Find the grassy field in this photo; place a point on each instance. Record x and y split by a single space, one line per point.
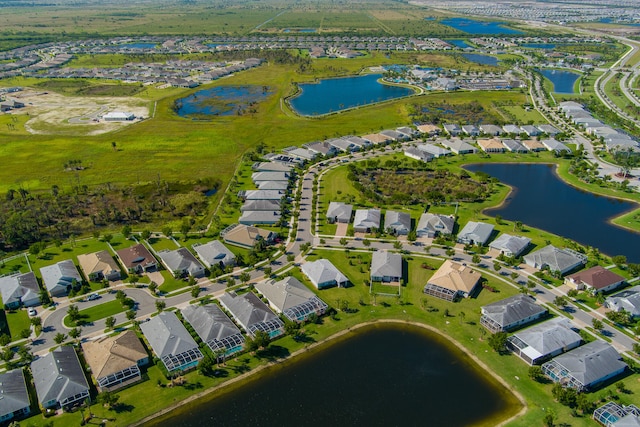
97 312
17 321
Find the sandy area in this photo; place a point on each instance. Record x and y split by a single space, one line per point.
54 114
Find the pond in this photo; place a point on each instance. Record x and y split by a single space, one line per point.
462 44
299 30
539 45
380 375
472 26
541 199
338 94
563 81
481 59
139 45
220 101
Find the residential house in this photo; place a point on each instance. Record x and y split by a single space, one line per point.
543 341
512 129
514 146
261 194
303 154
628 300
417 154
452 280
432 225
470 130
595 279
397 223
407 133
258 177
534 145
98 266
118 116
214 253
557 146
171 342
376 139
246 236
361 143
511 313
115 361
555 259
366 220
292 298
344 145
491 130
339 212
214 328
271 167
137 259
180 262
458 146
492 145
386 267
261 205
14 401
252 314
429 129
530 130
323 274
549 130
434 150
260 217
612 414
393 135
322 148
19 289
59 278
585 367
59 379
475 233
511 246
452 129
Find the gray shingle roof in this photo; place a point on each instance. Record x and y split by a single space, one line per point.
628 300
58 375
261 205
340 211
510 244
561 260
20 288
548 337
386 264
247 309
367 218
400 222
210 322
181 260
432 223
214 252
167 335
476 232
512 310
285 293
13 390
323 271
58 277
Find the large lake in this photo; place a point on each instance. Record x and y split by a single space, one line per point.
563 81
541 199
472 26
481 59
383 375
331 95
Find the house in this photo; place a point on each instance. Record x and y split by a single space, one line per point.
260 217
361 143
533 145
429 129
271 167
557 146
214 253
512 129
470 130
14 402
115 361
118 116
323 274
59 278
214 328
181 262
258 177
628 300
530 130
417 154
98 266
19 289
585 367
595 279
555 259
252 314
137 259
549 130
612 414
386 267
343 144
452 129
303 154
458 146
511 246
452 280
339 212
475 233
492 145
171 342
291 298
366 220
246 236
543 341
261 205
262 194
397 223
434 150
322 148
59 379
492 130
393 135
376 139
432 225
511 313
407 132
514 146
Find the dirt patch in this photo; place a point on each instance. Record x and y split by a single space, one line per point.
54 114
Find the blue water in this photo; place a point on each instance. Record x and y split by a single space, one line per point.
139 45
338 94
471 26
562 80
459 43
542 200
539 45
228 100
481 59
299 30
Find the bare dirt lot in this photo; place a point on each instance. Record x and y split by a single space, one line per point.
55 114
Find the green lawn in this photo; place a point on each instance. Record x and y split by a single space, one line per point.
170 283
18 264
160 244
97 312
17 321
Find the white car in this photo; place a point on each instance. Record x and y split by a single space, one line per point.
92 297
31 311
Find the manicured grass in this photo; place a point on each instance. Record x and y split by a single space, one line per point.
17 264
97 312
170 283
521 115
17 321
68 250
161 243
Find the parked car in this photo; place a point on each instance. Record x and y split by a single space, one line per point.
93 297
32 311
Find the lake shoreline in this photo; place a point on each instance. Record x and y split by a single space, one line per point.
244 378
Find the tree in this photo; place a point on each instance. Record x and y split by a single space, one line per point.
231 282
262 339
167 231
110 322
535 373
73 312
514 275
475 259
244 277
267 272
619 260
126 231
146 234
344 241
397 245
59 338
597 324
450 252
4 339
108 399
160 305
498 342
131 314
195 292
25 333
497 266
498 219
366 243
75 333
153 287
549 419
560 301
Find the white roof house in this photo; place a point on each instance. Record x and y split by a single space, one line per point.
399 223
562 260
20 289
543 341
557 146
386 267
181 262
475 233
323 274
458 146
434 150
59 378
366 220
628 300
511 246
431 225
292 298
339 212
60 277
252 314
